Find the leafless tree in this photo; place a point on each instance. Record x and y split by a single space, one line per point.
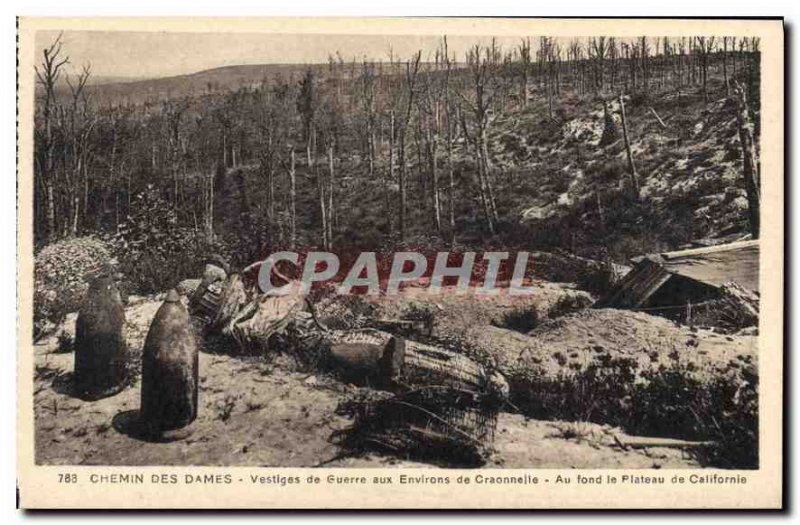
48 74
483 93
412 72
704 46
750 165
525 66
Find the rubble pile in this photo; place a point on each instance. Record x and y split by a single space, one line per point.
424 400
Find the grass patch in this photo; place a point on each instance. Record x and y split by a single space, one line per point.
675 400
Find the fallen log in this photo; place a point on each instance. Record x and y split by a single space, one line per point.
661 122
637 442
364 357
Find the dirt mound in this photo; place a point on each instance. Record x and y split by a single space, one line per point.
651 340
455 314
578 340
639 372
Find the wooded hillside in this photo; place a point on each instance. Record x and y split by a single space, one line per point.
603 147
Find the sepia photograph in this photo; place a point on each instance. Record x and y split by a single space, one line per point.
374 249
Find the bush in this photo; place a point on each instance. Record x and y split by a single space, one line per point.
676 400
62 272
569 303
155 253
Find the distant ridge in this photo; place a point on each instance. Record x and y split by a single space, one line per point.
116 90
138 91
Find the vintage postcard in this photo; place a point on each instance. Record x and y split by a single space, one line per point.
400 263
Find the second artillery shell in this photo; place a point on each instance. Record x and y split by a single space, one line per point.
101 358
169 369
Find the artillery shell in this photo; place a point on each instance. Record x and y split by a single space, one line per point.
101 358
170 371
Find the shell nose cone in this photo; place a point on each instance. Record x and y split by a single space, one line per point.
173 296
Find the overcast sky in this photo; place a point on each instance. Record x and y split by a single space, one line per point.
147 55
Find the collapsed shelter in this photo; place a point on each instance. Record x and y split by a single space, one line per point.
673 280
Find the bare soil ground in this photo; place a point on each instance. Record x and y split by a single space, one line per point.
252 413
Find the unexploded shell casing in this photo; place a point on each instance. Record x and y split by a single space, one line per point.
170 368
101 357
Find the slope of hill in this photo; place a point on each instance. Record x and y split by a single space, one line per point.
689 170
555 185
557 181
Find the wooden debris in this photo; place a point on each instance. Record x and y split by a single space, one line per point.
661 122
626 442
629 154
741 303
255 322
405 326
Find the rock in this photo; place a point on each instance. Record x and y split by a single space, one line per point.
213 273
187 286
750 330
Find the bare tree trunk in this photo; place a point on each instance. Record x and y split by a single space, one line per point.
600 214
322 208
292 201
331 197
371 147
391 165
434 177
271 195
411 78
629 154
76 203
224 149
85 209
749 162
725 66
488 176
402 185
704 74
48 77
51 207
208 207
450 178
483 184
